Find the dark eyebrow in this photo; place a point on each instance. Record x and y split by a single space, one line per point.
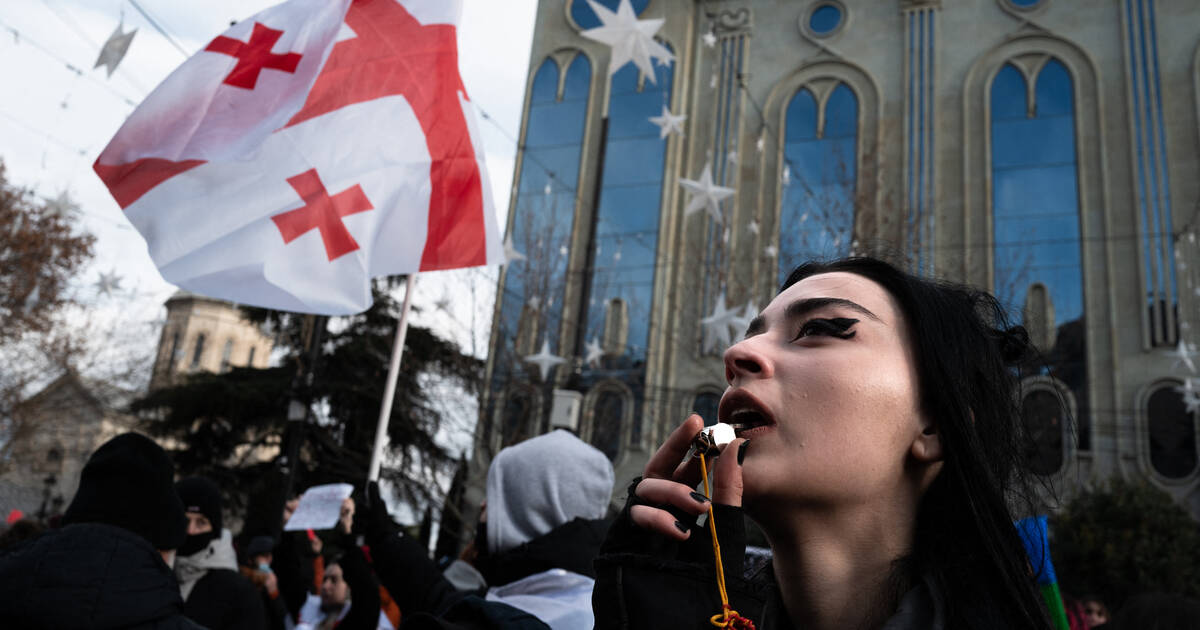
800 308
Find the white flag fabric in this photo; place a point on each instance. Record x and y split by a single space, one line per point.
306 150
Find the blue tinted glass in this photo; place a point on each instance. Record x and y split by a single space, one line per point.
1009 95
1025 3
1035 206
626 236
1054 96
585 17
817 206
825 19
541 223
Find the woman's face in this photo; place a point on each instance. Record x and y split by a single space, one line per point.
829 366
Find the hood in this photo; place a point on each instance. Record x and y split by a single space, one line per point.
542 483
87 576
219 554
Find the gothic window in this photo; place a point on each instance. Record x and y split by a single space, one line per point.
544 207
226 355
608 416
818 176
1043 413
584 17
198 354
1172 433
627 215
1037 251
175 353
250 358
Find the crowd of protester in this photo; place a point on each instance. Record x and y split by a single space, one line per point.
136 548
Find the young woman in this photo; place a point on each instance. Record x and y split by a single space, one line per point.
880 449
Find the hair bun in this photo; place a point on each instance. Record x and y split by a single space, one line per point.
1013 344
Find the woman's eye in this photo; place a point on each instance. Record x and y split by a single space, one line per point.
836 327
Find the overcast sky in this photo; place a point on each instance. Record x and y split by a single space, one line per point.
54 121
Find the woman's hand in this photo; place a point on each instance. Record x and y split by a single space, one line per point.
668 483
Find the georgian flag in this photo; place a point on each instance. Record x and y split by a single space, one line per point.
306 150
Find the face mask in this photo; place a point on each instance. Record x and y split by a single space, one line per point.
196 542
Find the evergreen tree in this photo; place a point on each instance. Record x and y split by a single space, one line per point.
222 423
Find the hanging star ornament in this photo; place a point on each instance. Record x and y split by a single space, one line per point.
544 360
108 283
593 353
705 194
1191 395
114 49
668 122
62 207
709 39
732 158
771 251
716 326
753 227
1183 355
511 254
739 323
631 39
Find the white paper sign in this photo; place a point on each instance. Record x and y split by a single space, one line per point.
319 508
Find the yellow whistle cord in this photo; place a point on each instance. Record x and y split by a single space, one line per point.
728 617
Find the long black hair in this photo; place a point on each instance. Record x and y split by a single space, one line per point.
966 545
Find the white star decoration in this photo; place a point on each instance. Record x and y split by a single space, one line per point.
668 122
1183 354
705 194
709 39
593 353
716 326
786 176
108 283
62 206
731 157
534 302
631 39
753 227
544 360
771 251
114 49
1191 396
511 254
739 324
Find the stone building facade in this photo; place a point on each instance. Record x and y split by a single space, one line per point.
206 334
1045 149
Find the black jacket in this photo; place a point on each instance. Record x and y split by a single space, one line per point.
644 580
224 600
572 546
427 600
89 577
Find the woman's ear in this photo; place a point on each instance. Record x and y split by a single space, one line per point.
927 447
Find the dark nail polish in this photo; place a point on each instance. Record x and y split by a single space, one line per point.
681 527
700 498
742 452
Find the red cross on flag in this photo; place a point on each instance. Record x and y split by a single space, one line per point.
306 150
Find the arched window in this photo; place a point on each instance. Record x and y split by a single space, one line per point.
544 207
175 353
585 17
818 177
1035 215
250 358
1172 433
1044 414
627 214
199 352
226 355
516 422
607 418
705 404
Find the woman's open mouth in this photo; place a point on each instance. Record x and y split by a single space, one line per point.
745 413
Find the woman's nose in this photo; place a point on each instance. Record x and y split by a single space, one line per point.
742 359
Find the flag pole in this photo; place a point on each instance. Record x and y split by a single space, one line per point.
389 391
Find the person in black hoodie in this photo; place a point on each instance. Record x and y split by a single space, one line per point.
107 567
214 593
